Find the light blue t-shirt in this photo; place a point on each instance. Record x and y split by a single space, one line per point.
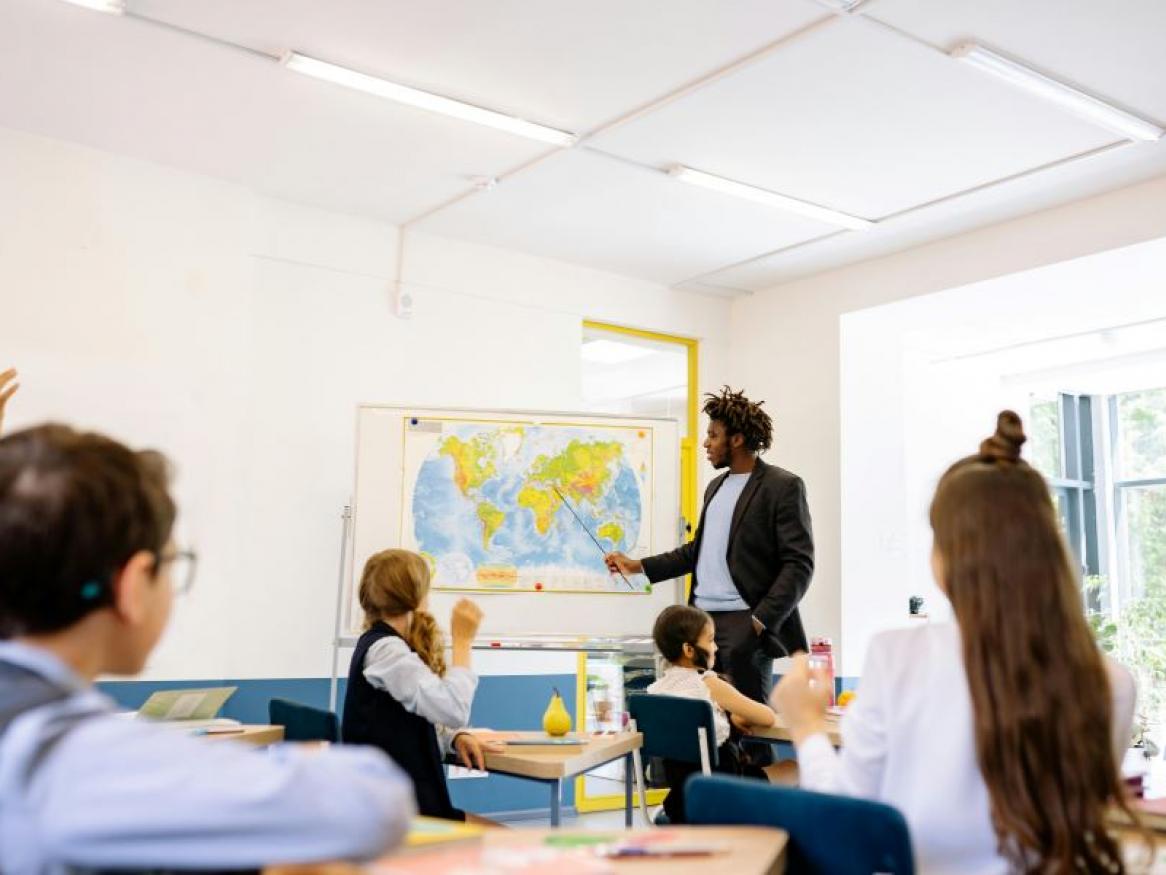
117 793
714 585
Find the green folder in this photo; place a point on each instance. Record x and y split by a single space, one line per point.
203 704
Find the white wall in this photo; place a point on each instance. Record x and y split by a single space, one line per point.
785 345
237 334
923 379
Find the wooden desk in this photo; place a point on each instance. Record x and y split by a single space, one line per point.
257 735
779 731
747 850
555 766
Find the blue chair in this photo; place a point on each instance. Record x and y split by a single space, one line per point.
303 722
674 728
828 835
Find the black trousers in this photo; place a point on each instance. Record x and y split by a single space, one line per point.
741 659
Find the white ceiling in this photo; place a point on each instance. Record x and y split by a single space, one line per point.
864 113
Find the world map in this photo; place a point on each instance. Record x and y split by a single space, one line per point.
494 505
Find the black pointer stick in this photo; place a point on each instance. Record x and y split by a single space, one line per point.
594 539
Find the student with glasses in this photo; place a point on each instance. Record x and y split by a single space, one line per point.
88 572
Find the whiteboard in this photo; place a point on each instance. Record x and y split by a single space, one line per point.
379 510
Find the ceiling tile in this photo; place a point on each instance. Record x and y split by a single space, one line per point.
124 86
562 63
1122 166
598 211
860 119
1115 50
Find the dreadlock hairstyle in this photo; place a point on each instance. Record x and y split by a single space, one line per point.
741 416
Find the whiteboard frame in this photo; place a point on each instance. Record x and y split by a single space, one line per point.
637 611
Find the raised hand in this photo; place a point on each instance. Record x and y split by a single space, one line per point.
801 698
464 621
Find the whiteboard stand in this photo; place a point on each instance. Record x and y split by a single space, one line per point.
345 525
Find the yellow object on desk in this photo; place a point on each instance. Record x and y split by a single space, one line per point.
429 832
556 720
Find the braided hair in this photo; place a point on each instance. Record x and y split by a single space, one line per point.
741 416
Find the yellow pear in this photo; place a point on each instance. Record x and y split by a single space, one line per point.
556 720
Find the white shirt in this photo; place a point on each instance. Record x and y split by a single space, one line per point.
124 793
689 683
908 740
715 590
391 665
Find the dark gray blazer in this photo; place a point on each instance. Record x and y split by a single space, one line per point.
771 553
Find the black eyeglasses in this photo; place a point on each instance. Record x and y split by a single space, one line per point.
184 563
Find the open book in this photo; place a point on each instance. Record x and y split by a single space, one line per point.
191 709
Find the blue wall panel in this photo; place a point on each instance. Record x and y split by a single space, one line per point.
502 702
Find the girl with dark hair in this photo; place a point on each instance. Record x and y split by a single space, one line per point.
686 639
998 736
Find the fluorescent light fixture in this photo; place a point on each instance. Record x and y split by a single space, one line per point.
1085 105
609 352
113 7
424 100
769 198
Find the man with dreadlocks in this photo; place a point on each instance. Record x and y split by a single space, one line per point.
753 553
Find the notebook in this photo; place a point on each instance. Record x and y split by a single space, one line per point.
531 739
203 704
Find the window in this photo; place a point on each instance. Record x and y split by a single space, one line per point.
1105 461
1140 480
1062 449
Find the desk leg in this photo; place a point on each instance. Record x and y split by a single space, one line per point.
556 802
628 771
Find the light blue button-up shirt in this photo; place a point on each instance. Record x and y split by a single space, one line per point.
715 590
125 793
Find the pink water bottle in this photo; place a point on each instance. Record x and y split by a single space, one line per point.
822 657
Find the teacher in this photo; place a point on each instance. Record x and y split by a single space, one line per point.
753 554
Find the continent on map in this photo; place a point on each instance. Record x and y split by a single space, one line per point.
542 503
611 531
485 502
492 519
473 461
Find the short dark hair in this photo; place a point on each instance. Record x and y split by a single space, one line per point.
74 508
741 416
676 626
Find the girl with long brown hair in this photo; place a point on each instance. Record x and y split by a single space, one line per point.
998 736
402 697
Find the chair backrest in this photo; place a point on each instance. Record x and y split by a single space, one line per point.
827 834
303 722
669 725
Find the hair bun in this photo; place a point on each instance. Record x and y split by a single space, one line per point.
1005 444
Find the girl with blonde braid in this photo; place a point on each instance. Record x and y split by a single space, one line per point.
401 695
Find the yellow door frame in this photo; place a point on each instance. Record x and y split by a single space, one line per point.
688 508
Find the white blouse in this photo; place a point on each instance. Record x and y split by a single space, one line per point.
908 740
689 683
391 665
